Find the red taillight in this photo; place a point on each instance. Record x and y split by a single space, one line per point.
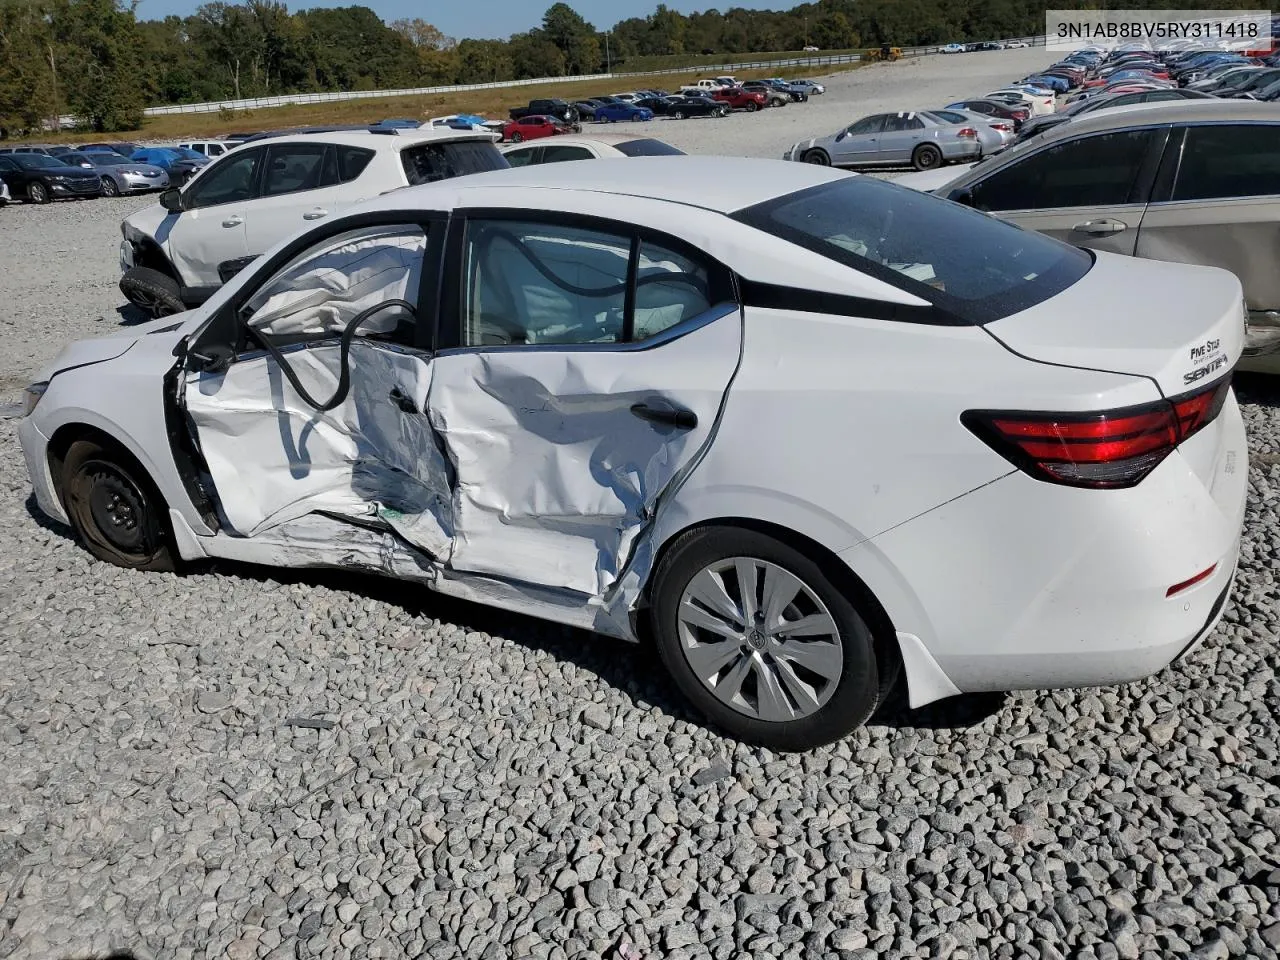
1200 577
966 132
1105 450
1001 126
1021 114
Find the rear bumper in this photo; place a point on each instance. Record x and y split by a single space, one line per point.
961 150
1027 585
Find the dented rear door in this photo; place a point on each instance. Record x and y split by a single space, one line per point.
585 381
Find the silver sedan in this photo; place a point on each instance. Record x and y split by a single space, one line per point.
920 140
120 175
993 133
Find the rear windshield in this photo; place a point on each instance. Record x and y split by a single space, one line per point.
429 162
648 148
968 264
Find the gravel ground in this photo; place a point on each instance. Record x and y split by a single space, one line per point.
236 763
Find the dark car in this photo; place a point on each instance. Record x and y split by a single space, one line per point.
678 108
172 161
995 109
549 108
122 148
39 179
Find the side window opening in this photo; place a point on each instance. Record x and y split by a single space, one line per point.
532 283
1093 171
233 181
317 295
352 162
294 167
1229 161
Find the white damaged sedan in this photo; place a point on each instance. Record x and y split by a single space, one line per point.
809 430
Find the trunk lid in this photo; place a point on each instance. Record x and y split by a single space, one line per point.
1180 325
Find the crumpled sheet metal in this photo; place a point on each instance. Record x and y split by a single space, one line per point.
555 475
529 482
364 459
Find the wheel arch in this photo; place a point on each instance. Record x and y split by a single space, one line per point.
883 633
151 255
72 431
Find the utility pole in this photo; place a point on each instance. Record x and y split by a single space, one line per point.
608 58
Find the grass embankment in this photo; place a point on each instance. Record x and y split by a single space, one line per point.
491 103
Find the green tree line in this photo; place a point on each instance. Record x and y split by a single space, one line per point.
96 60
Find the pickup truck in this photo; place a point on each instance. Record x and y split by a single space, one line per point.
547 108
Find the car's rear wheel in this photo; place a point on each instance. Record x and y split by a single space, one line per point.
819 157
517 138
109 188
37 192
761 642
926 157
679 114
114 508
722 112
152 291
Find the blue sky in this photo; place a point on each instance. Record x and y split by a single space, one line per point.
486 18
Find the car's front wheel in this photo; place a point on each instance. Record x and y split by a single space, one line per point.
818 157
156 293
115 510
679 114
926 157
37 192
752 106
517 138
109 188
761 641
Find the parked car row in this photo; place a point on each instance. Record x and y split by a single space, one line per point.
709 97
39 174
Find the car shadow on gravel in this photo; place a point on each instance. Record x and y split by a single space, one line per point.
1257 388
131 316
634 669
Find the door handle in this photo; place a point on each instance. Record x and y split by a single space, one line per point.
402 400
232 222
683 419
315 214
1100 227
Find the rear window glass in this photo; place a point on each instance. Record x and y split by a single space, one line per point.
1226 161
970 265
352 161
429 162
648 148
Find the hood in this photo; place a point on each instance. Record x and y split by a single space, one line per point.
81 353
1177 324
64 170
930 181
145 222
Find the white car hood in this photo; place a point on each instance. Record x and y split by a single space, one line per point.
928 181
81 353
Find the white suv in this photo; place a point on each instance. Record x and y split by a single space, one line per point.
176 253
212 149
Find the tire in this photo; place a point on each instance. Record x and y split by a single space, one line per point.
679 114
722 112
819 157
150 290
114 507
822 687
926 157
517 138
37 192
752 106
109 188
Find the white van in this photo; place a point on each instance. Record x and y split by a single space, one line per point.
210 148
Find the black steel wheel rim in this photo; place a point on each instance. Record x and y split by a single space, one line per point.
117 508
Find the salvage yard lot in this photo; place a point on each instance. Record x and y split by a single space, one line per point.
241 763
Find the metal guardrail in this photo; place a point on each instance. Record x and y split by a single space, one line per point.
298 99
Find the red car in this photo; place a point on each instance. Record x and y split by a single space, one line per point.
536 127
740 99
